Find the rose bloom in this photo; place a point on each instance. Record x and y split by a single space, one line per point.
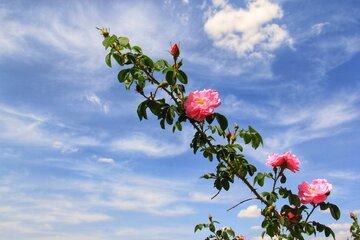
314 192
290 160
201 104
291 217
241 238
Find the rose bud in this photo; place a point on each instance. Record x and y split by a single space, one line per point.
175 51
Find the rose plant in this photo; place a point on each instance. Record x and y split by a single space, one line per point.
286 215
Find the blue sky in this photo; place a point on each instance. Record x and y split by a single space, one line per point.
77 164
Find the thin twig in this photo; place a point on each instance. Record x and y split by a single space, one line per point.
216 195
249 199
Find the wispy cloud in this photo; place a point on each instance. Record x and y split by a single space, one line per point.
340 226
46 205
319 27
105 160
343 174
26 128
298 123
151 145
95 100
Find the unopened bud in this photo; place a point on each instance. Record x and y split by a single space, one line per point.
228 134
104 32
352 215
175 51
139 89
236 127
164 84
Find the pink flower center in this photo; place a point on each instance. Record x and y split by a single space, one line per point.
312 190
201 101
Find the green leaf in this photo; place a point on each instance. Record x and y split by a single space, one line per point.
147 61
247 138
230 232
108 59
335 211
154 107
141 110
182 77
178 126
123 41
225 183
260 177
252 130
294 200
170 116
251 169
162 123
283 179
217 184
159 65
210 119
255 142
198 227
212 227
324 206
129 82
118 59
170 77
137 49
109 41
222 121
122 74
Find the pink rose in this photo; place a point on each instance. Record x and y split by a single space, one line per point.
291 217
241 238
201 104
174 50
292 162
315 192
275 160
289 160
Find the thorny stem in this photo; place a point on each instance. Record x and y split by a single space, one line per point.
253 190
243 179
312 210
276 178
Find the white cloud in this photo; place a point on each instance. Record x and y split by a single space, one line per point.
318 28
97 102
219 3
298 123
105 160
155 233
48 204
248 31
342 174
260 238
356 211
255 227
22 127
253 211
337 226
150 145
233 106
65 148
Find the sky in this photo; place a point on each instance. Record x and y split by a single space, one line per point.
75 161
